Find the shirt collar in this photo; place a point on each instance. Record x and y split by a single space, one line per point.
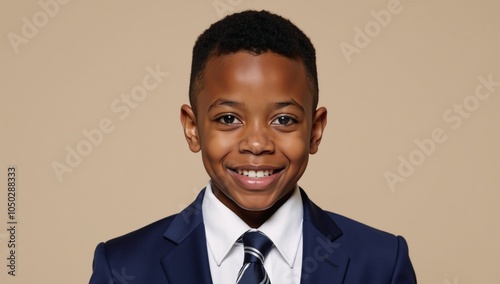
223 227
284 227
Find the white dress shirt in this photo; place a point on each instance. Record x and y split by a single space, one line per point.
223 228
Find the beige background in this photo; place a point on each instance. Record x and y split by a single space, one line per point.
66 76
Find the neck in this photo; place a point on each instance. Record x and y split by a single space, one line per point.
252 218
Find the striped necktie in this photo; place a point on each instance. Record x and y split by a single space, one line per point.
257 246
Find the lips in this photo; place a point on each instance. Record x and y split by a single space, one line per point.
255 179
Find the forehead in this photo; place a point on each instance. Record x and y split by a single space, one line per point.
266 76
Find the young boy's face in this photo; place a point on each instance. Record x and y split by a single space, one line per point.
255 126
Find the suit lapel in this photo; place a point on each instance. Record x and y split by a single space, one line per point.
322 261
187 261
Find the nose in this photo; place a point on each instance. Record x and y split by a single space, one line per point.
257 140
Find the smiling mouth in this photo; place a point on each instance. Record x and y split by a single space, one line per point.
256 173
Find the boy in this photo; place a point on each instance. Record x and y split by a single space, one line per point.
254 117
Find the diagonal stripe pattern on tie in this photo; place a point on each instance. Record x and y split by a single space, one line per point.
257 246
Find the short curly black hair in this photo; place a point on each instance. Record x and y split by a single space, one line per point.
256 32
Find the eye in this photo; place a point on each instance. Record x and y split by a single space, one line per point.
229 119
284 120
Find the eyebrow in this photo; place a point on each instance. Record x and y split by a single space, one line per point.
224 102
290 103
276 106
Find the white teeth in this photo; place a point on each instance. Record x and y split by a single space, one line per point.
255 174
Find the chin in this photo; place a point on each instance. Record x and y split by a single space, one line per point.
257 205
254 208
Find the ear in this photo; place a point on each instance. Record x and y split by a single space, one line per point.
318 126
188 121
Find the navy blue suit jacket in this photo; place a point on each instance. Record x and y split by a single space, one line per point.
174 250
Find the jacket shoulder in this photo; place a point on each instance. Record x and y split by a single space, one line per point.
364 236
143 241
378 254
351 226
133 256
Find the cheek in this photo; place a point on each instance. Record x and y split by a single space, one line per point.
217 145
295 148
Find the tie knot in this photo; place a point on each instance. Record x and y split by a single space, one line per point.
257 246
